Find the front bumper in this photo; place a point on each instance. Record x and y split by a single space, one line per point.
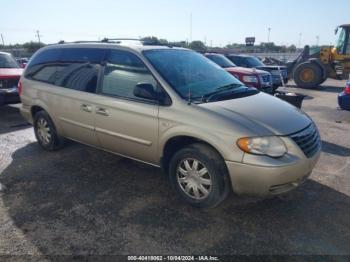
269 176
276 80
9 96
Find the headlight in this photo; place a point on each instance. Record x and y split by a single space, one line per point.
250 79
269 145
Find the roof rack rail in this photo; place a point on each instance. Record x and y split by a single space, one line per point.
80 41
119 40
106 40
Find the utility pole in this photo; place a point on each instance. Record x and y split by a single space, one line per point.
2 39
268 39
299 43
191 27
38 36
317 40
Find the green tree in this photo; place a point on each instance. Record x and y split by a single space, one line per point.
33 46
197 46
292 48
152 39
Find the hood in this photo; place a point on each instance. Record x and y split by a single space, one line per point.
262 114
244 70
271 67
10 72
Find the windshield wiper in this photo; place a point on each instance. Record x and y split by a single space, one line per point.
207 97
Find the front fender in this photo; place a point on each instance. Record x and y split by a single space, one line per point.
224 144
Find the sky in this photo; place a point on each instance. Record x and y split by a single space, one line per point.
216 22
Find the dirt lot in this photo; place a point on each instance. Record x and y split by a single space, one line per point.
84 201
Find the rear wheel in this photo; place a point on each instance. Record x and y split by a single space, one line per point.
198 174
45 132
308 75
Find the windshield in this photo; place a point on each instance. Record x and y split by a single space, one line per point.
7 61
190 73
343 43
221 61
253 61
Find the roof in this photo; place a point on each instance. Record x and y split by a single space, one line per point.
240 55
132 44
345 25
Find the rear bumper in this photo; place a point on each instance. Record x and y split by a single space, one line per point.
344 101
9 96
26 113
263 181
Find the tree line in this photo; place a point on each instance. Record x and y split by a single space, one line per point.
196 45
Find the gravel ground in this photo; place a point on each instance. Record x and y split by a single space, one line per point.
83 201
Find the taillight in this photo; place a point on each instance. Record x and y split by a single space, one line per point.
20 88
347 90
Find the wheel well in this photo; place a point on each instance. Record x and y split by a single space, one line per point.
36 109
175 144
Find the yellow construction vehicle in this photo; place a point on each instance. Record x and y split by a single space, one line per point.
314 66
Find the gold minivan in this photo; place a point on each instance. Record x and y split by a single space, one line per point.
172 108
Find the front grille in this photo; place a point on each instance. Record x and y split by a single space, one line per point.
266 78
8 83
308 140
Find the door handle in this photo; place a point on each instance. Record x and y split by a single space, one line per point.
86 108
102 111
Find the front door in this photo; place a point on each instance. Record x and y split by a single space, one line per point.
126 124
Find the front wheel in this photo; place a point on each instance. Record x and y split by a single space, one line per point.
199 176
308 75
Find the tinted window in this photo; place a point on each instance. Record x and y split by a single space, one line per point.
46 56
92 55
237 60
74 68
44 72
253 61
78 76
7 61
122 73
221 61
39 63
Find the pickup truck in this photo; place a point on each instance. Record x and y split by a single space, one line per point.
254 62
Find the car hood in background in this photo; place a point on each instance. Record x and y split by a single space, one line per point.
10 72
263 114
271 68
244 70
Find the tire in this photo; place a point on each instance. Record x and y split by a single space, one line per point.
308 75
45 132
217 175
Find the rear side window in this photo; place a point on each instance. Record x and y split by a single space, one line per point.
92 55
78 76
73 68
237 60
42 66
46 56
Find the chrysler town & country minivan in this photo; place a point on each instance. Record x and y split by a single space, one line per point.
172 108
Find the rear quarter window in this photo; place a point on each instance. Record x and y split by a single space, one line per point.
35 65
